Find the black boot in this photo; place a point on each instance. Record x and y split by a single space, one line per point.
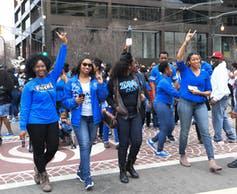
131 170
123 174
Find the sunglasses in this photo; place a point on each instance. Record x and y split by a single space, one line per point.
87 64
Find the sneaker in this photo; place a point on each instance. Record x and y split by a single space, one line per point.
117 146
78 176
151 144
220 143
162 154
232 164
89 185
106 144
231 140
171 138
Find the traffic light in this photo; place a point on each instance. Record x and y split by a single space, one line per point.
44 53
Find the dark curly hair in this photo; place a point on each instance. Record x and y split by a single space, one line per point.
32 61
163 65
77 70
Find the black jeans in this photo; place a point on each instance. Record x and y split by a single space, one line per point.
129 132
43 136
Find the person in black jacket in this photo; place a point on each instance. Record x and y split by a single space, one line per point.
14 107
125 96
6 87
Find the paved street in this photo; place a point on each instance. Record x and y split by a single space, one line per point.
158 175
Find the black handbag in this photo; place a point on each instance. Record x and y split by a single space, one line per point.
109 119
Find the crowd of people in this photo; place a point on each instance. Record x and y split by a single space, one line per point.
56 100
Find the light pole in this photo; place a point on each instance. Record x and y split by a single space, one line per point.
43 25
129 39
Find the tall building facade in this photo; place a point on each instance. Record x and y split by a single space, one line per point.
156 24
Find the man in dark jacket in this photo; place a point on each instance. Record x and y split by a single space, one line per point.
6 87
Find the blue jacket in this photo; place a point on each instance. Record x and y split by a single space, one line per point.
73 88
165 91
38 100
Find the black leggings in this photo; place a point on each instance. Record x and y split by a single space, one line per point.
129 132
43 136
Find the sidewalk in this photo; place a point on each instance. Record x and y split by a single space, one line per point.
158 175
172 179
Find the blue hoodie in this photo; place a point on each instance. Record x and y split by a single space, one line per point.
73 88
38 100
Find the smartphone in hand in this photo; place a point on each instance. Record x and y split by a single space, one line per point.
82 95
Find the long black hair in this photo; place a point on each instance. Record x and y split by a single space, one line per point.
121 67
77 70
32 61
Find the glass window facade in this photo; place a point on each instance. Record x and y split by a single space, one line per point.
79 8
122 11
173 41
146 44
228 45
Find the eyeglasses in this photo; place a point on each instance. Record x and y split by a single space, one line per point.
87 64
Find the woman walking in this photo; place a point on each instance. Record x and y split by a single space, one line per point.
125 97
195 87
83 94
38 113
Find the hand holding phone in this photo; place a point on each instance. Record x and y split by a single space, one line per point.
80 98
82 95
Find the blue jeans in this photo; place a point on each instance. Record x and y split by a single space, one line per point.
106 134
166 118
14 108
85 134
187 110
220 120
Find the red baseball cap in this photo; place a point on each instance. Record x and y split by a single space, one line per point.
217 55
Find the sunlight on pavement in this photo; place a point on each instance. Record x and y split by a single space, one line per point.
224 191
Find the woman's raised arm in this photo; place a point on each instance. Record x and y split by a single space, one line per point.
188 38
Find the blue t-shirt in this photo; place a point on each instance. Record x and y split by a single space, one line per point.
188 78
206 67
38 100
60 90
165 91
155 75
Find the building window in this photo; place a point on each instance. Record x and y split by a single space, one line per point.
79 8
145 44
129 12
149 45
173 41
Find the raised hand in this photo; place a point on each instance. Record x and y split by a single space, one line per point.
189 35
62 36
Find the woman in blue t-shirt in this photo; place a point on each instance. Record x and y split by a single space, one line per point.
195 87
38 113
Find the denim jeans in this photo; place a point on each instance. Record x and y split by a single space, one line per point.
220 120
14 108
130 133
85 134
106 134
187 110
169 132
166 118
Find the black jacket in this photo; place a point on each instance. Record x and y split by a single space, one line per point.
6 87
